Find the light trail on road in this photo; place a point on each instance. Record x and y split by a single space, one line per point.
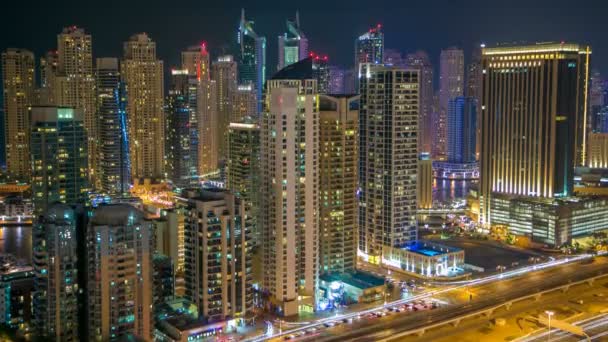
427 295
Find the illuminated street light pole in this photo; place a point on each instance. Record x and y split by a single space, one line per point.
549 314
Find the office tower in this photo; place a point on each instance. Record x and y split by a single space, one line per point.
425 181
600 120
462 130
289 206
451 85
178 144
56 283
473 87
598 150
2 139
113 144
393 57
293 44
75 84
336 80
243 168
338 158
195 60
18 79
369 47
597 103
420 61
120 243
224 73
48 79
143 75
218 257
320 71
169 235
531 137
59 156
195 64
244 103
251 58
388 158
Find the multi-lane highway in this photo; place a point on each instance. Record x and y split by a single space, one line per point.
515 283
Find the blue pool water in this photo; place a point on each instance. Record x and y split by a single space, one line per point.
427 252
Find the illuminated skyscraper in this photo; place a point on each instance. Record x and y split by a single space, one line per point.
425 181
251 58
75 84
113 145
336 80
420 61
143 75
451 85
59 157
531 137
120 245
179 167
48 78
243 168
18 79
224 73
338 165
293 44
56 283
208 125
320 71
218 256
289 206
244 103
388 158
369 47
393 57
598 150
462 130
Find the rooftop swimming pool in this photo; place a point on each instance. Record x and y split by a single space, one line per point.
427 252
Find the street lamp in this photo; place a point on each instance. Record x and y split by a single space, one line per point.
549 314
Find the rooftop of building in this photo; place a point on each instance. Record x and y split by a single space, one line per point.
555 201
540 47
116 215
358 279
430 249
301 70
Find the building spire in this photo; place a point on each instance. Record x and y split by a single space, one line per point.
242 15
298 19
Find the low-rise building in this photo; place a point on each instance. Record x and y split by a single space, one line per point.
424 258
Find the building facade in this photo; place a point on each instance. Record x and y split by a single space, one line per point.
243 169
369 47
598 151
289 206
388 158
338 167
547 118
18 82
244 103
218 255
224 73
462 130
56 283
120 245
59 157
420 61
425 182
142 73
113 144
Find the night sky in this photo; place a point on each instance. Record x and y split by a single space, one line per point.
331 26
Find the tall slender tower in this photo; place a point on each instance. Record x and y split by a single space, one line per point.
338 160
56 283
218 256
462 130
177 132
293 44
244 103
59 157
369 47
18 80
451 85
224 73
388 158
208 157
75 84
289 206
421 62
534 120
251 58
143 75
113 144
48 78
120 244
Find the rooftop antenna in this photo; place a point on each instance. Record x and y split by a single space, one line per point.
242 15
298 19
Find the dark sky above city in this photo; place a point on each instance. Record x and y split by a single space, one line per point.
331 26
